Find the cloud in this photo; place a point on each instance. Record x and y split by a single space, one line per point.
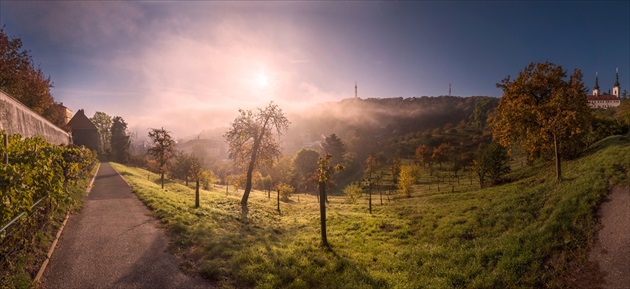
183 67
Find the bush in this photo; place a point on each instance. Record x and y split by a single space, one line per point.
353 191
37 171
285 191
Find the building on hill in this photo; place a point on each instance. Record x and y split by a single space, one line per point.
202 148
605 100
84 132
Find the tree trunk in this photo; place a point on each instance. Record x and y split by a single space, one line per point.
197 193
370 200
558 164
250 170
278 200
322 211
162 180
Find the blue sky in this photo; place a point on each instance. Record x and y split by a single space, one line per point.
191 65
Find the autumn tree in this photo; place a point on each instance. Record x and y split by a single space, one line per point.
163 149
541 111
119 141
20 78
252 140
103 123
442 153
482 110
407 179
423 154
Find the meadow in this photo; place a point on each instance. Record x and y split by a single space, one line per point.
531 232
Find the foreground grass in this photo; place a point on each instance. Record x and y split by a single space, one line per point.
520 235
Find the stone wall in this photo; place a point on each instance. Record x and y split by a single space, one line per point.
16 118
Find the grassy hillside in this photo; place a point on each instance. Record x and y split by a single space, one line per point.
520 235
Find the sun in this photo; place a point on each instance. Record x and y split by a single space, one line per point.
262 80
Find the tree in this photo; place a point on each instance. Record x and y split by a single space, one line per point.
120 140
163 149
305 163
22 79
181 167
371 165
407 179
423 154
540 111
441 153
324 174
395 170
103 123
251 140
353 191
482 109
491 161
197 172
335 147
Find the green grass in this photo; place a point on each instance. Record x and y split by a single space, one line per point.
519 235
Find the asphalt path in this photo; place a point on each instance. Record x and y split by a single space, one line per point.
114 243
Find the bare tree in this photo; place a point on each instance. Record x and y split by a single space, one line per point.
252 140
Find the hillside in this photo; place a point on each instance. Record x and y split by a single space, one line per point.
524 234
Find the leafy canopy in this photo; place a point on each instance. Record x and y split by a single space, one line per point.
537 106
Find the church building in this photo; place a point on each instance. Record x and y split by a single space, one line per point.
605 100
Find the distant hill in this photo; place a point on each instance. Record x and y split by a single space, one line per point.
366 124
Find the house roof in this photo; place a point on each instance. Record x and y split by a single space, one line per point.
602 97
80 121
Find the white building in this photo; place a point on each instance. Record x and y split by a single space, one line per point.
604 100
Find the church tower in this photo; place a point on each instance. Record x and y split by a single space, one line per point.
616 87
355 90
596 87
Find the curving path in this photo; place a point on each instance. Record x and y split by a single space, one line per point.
612 248
114 243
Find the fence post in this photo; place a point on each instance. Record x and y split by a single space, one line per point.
6 146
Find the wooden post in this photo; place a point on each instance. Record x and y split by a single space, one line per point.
6 146
278 200
197 193
322 211
370 198
558 165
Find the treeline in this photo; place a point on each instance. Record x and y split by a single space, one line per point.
37 185
366 125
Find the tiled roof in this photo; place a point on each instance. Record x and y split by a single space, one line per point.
602 97
80 121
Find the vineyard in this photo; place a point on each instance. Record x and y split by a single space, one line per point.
39 184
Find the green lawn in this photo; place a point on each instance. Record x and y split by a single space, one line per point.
524 234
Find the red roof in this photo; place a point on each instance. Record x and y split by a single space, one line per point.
602 97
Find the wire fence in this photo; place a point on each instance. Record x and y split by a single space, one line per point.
24 239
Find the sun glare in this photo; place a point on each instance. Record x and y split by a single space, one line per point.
262 80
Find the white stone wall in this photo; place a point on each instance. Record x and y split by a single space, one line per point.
16 118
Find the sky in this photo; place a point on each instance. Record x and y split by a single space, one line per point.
190 65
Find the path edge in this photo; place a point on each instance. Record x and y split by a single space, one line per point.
40 273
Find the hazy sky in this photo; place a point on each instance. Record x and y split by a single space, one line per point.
190 65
